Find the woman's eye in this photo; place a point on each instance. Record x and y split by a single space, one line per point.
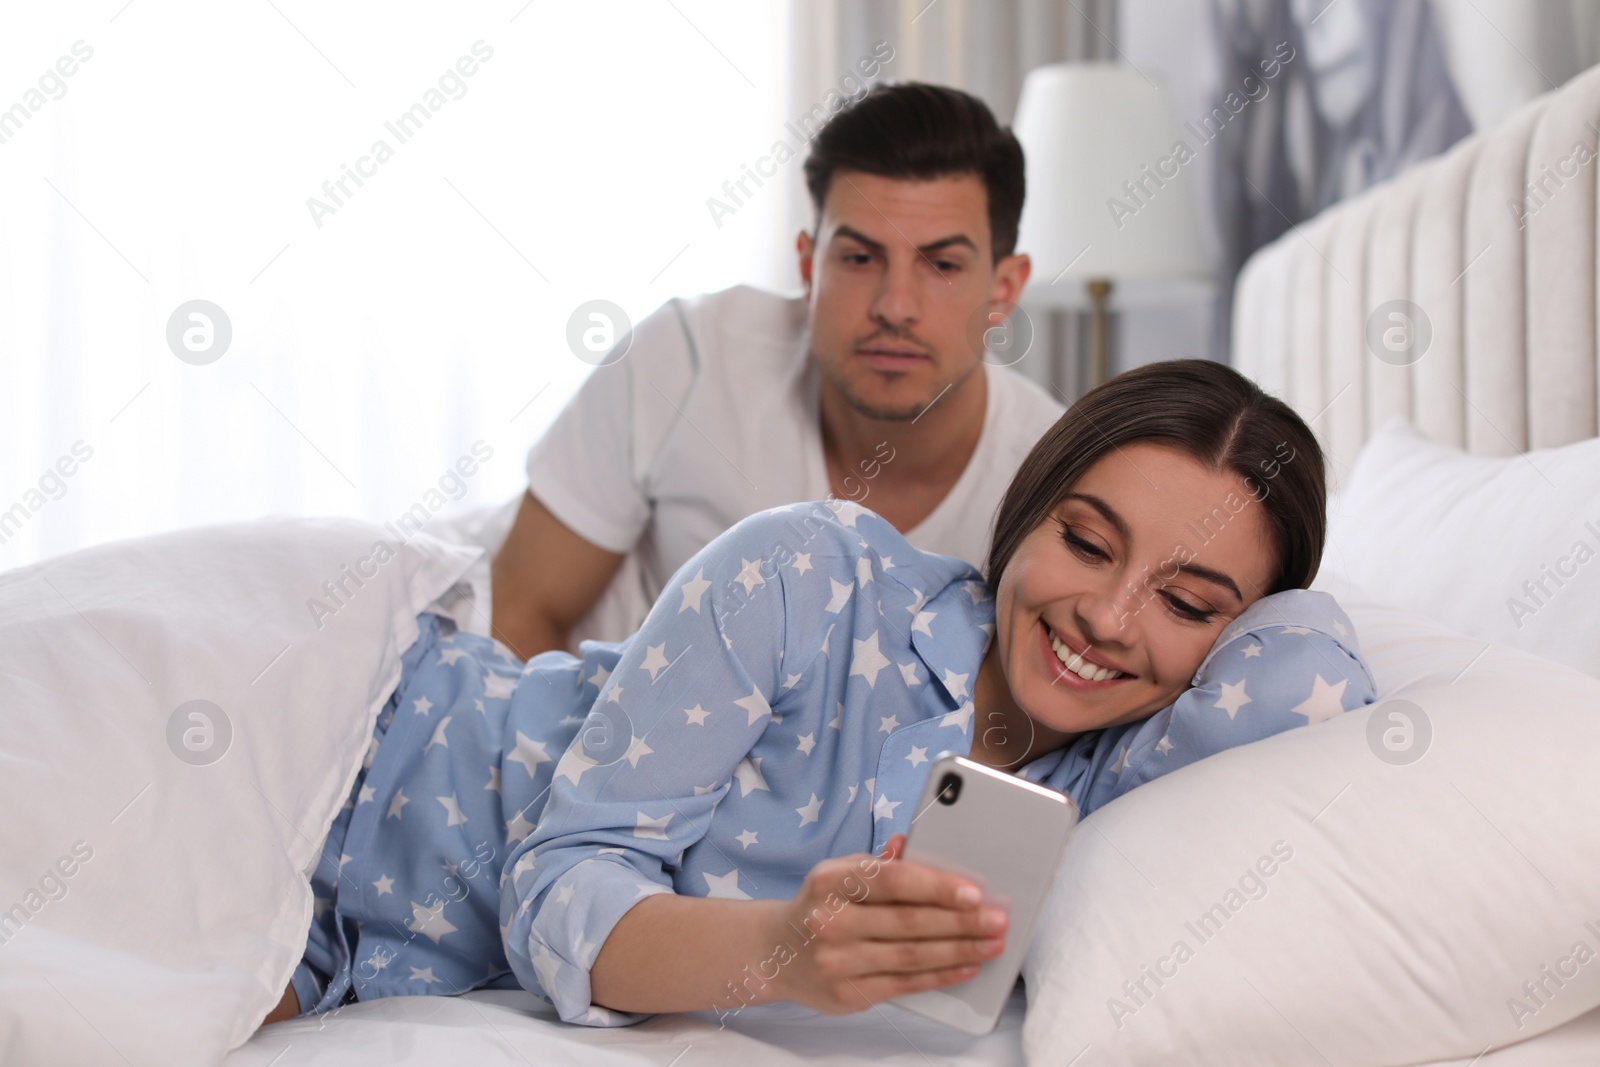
1079 545
1183 609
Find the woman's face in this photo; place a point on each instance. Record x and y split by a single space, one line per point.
1137 571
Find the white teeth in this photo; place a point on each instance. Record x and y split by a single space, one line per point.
1075 663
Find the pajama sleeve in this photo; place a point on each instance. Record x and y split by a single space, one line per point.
669 732
1289 660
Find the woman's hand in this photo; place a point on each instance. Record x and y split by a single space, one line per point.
869 928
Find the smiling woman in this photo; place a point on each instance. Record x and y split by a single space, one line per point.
729 832
1099 523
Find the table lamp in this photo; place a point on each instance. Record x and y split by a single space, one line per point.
1109 198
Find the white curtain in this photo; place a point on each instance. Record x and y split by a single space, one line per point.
153 154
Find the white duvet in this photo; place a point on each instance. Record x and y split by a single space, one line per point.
188 840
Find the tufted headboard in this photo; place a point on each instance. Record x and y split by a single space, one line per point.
1485 255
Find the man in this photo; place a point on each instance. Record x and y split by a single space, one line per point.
872 386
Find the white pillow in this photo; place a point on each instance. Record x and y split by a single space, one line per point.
153 869
1362 909
1502 548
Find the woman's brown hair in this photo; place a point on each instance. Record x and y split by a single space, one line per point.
1208 411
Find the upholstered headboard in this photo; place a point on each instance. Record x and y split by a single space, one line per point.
1490 249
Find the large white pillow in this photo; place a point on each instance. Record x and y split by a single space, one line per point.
1506 548
1335 903
153 866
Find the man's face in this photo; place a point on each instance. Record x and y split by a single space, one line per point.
901 282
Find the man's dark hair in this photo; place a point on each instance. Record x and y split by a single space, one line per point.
910 130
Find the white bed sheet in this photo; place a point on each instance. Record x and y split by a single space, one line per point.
489 1028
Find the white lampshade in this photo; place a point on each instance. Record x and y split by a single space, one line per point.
1088 129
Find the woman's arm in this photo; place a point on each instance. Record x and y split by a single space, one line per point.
1289 660
861 930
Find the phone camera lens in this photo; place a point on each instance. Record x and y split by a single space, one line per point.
949 788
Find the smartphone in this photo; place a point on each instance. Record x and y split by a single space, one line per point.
1007 835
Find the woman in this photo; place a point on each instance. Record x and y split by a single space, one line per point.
710 813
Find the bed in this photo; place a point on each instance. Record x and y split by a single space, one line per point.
1442 847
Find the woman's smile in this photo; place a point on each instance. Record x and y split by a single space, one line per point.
1075 665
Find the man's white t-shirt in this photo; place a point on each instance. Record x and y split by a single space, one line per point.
713 415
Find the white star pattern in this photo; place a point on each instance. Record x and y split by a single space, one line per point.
956 683
494 779
637 751
748 775
452 811
887 724
1325 701
422 705
384 884
837 722
563 895
498 686
448 656
802 562
908 672
694 591
747 838
598 678
396 802
548 967
529 753
438 737
697 715
1233 698
845 511
655 660
1163 746
923 623
430 922
791 680
842 592
918 756
526 863
367 795
1294 630
884 808
573 764
1252 651
518 827
1122 761
807 743
809 811
423 974
650 827
851 799
863 571
866 660
961 717
750 575
756 706
725 886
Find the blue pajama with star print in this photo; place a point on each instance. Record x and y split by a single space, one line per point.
781 704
